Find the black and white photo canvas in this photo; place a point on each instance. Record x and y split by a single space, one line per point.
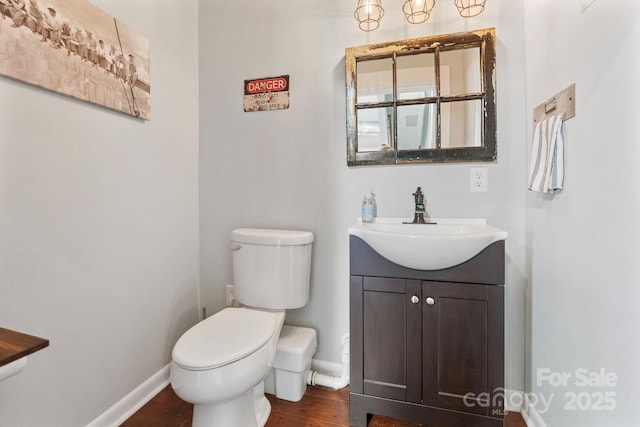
74 48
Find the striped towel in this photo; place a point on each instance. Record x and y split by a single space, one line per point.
546 171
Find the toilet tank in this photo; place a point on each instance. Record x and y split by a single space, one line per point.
271 268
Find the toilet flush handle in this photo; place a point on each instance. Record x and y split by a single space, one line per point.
235 247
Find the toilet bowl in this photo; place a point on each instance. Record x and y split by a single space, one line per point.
218 363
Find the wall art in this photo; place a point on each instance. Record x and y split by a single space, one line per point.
74 48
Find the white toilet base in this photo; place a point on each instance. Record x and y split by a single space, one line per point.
238 412
261 405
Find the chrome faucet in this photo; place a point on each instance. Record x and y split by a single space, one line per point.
418 216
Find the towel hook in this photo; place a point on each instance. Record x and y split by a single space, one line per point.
550 106
562 104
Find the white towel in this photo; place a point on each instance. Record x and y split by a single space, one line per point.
546 171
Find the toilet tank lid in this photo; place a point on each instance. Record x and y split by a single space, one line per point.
260 236
227 336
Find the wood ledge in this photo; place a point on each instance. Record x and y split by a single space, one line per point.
16 345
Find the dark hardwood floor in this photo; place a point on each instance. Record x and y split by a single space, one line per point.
320 407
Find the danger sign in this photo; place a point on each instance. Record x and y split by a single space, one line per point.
269 93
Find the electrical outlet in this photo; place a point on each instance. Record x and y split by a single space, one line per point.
479 180
230 297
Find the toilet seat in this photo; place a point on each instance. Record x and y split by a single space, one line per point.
225 337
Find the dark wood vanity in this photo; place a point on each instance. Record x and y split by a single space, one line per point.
16 345
427 346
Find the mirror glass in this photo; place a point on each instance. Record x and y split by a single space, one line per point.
374 129
416 76
462 121
416 127
463 69
422 100
375 80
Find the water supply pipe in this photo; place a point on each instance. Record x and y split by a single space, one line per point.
336 383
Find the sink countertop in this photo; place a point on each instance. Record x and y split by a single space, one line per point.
16 345
441 244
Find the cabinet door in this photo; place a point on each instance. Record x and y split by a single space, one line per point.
391 338
463 347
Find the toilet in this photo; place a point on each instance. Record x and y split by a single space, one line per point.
220 364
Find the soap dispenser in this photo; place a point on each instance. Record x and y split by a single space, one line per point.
368 208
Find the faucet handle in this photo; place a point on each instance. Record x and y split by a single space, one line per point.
419 215
419 198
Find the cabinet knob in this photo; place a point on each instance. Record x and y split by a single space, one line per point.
415 299
430 301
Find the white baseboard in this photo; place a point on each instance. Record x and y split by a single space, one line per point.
518 401
531 415
128 405
514 400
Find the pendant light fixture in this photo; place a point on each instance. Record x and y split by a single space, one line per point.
369 13
470 8
418 11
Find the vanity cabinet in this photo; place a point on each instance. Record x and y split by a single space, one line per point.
427 346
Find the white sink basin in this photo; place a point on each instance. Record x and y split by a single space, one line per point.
13 368
447 243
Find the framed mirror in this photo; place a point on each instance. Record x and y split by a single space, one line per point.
422 100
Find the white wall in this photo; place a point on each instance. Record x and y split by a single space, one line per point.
583 243
287 168
99 212
99 229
